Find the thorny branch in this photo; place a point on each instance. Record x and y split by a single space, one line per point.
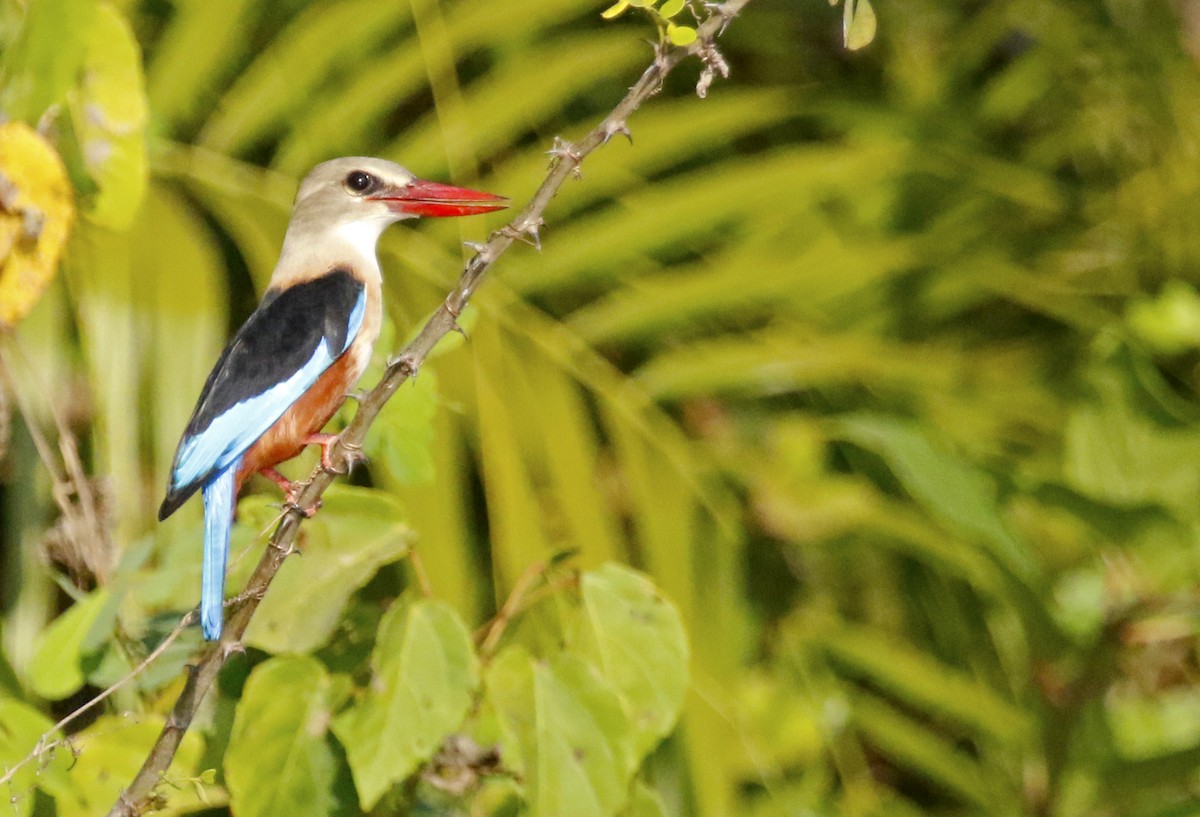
567 157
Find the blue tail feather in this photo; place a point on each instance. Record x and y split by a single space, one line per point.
218 519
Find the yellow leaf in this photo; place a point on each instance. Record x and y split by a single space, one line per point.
36 212
681 35
615 9
111 116
858 24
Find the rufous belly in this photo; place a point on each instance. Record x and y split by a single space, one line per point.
306 416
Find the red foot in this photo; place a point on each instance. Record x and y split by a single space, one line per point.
291 492
290 489
353 453
326 442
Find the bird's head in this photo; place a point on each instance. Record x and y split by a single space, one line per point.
343 206
364 189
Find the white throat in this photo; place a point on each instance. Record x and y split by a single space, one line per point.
305 253
362 236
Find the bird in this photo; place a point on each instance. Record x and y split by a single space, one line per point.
287 370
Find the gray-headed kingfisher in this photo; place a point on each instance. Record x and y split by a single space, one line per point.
291 364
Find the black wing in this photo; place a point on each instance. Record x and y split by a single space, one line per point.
280 351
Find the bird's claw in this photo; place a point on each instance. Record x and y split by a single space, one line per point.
290 504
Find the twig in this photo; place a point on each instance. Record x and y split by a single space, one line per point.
81 518
47 742
489 636
525 226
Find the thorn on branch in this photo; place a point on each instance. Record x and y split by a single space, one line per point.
660 58
564 151
527 232
127 805
348 455
724 12
714 64
290 548
614 126
357 395
407 362
352 455
481 250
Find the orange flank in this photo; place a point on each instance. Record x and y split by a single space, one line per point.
305 417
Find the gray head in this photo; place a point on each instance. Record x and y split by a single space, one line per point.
376 191
345 204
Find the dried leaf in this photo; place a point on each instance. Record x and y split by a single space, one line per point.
36 212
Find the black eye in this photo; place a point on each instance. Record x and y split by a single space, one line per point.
359 182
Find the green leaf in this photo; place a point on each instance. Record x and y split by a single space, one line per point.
858 24
357 531
287 72
402 438
202 45
10 685
572 456
185 304
281 761
615 9
1126 446
57 669
110 117
425 674
914 745
21 727
348 114
565 731
44 62
635 637
516 98
108 753
518 536
680 35
925 683
1170 322
670 8
951 490
645 802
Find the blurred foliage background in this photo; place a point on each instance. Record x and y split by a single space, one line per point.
883 365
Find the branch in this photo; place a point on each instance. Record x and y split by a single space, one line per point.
567 158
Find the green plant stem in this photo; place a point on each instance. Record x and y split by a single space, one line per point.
136 799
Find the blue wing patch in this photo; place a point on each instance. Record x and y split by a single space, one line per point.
230 434
277 355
